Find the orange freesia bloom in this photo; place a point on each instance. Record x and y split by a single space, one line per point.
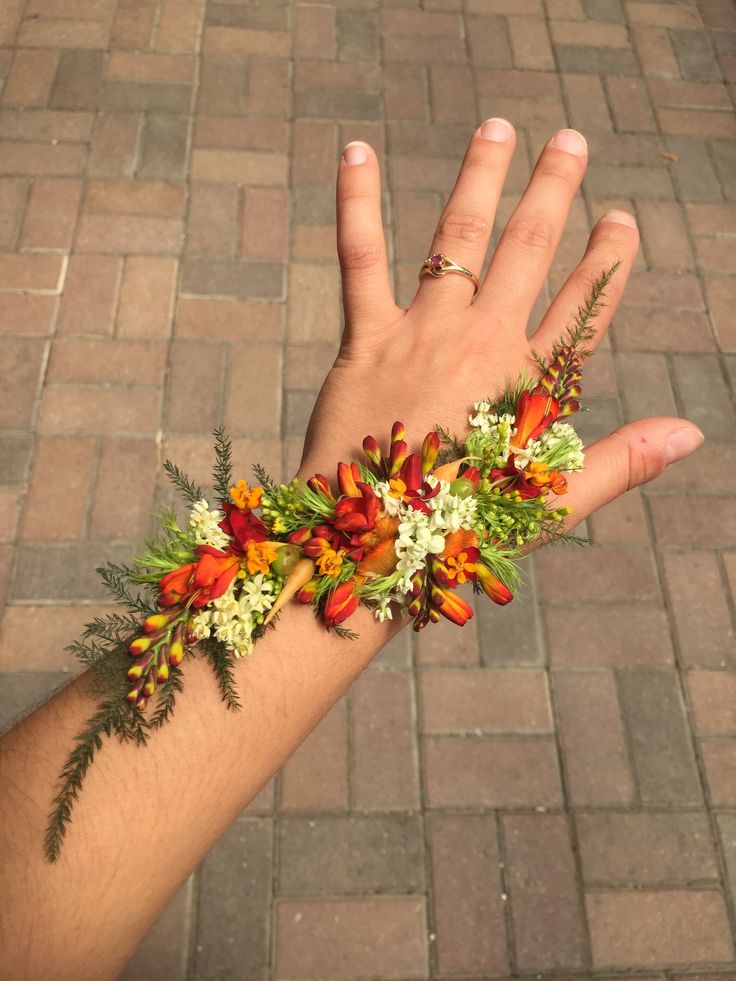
259 556
329 562
244 497
493 587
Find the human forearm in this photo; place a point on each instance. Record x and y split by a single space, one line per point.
83 916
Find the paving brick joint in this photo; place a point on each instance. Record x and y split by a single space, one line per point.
552 793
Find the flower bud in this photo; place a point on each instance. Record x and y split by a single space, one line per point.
398 431
461 487
399 449
373 454
430 449
156 622
140 645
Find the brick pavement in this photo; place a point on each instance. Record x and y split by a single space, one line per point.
553 792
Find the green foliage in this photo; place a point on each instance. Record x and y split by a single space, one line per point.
190 491
263 478
117 580
222 472
223 662
171 548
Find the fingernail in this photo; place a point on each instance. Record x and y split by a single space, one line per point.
497 130
570 141
355 153
621 218
682 442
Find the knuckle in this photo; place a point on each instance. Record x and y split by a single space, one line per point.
366 255
533 233
642 463
465 226
562 169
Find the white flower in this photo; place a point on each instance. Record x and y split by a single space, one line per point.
559 446
383 610
203 524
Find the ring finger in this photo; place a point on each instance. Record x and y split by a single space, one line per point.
464 228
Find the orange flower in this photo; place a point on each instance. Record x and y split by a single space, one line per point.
245 497
462 568
493 587
329 562
259 556
341 603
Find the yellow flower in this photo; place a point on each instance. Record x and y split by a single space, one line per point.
460 568
538 475
244 497
398 488
259 556
329 563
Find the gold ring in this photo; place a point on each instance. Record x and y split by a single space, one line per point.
439 265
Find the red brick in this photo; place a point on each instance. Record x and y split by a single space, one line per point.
53 628
43 33
314 31
27 313
716 254
597 769
540 865
649 289
593 574
11 13
713 697
421 24
712 219
235 40
213 222
316 777
91 409
147 297
113 149
676 522
483 700
126 480
150 67
228 320
239 167
588 33
13 196
265 224
194 367
56 510
491 771
522 8
307 365
384 765
51 214
90 296
89 361
179 25
721 293
621 521
701 615
6 551
665 235
133 25
646 848
31 272
410 49
630 105
351 938
443 646
129 233
30 80
695 122
489 42
254 367
468 911
134 198
655 52
314 303
530 43
719 758
662 330
663 15
194 455
44 125
313 242
633 929
10 504
228 133
688 95
615 636
449 87
587 103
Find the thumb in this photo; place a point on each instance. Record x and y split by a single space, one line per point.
632 455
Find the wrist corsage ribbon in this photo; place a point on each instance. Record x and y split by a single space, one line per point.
397 531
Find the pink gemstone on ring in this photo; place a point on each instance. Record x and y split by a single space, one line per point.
436 261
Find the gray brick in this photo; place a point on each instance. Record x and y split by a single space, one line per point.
234 904
64 572
727 833
228 277
78 80
724 155
645 386
693 172
344 854
164 150
164 952
510 634
602 417
299 406
704 395
591 61
423 140
357 36
15 457
609 11
262 16
222 85
22 691
145 95
695 56
314 204
658 737
336 105
617 181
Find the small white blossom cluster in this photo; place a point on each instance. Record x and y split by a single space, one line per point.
203 524
491 433
232 618
559 446
419 534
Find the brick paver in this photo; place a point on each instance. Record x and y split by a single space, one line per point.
552 791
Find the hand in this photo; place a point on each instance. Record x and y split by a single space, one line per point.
428 364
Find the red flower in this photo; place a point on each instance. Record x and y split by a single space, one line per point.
357 513
492 586
341 604
450 605
534 412
199 582
243 526
176 585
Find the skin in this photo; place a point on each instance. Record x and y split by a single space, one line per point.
148 817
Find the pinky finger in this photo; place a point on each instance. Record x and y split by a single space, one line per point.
629 457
